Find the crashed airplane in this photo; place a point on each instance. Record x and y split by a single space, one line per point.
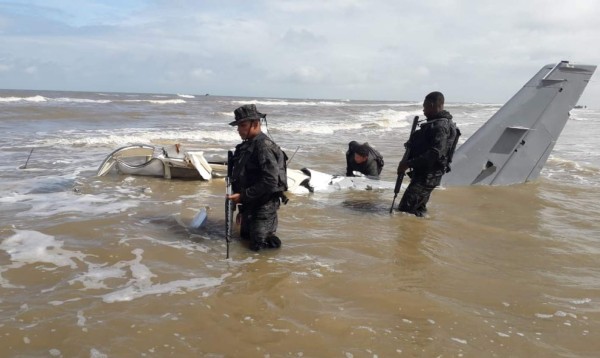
513 145
510 148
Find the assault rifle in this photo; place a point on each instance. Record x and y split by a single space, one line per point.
404 157
229 205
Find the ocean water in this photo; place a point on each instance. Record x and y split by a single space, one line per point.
106 266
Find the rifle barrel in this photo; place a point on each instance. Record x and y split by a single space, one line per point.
229 205
406 155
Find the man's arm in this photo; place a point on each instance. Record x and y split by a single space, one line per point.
349 166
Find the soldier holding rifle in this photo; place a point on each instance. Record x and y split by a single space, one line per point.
431 148
258 178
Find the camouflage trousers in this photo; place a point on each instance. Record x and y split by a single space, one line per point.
259 225
415 198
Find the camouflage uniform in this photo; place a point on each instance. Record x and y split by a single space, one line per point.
259 175
430 147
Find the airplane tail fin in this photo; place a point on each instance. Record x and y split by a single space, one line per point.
513 146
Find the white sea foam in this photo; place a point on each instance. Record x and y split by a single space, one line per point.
560 314
458 340
138 285
136 135
137 289
68 202
325 103
96 275
28 246
559 168
316 267
80 100
225 114
367 328
80 319
94 353
42 99
388 118
173 244
289 103
186 96
58 303
156 101
582 119
321 128
472 105
581 301
37 98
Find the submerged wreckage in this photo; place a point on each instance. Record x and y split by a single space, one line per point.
511 147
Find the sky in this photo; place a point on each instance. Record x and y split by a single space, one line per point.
471 50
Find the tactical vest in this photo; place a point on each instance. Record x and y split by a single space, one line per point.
245 152
452 142
282 159
378 159
442 165
448 152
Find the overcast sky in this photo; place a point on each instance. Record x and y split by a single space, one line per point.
472 50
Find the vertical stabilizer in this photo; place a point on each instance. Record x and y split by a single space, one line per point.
513 146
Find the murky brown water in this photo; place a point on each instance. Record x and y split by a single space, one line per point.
105 267
491 272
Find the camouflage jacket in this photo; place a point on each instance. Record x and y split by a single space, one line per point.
259 170
430 146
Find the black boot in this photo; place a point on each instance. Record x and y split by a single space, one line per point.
273 242
256 245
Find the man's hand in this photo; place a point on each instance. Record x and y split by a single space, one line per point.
402 167
235 198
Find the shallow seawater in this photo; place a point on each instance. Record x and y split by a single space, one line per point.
107 266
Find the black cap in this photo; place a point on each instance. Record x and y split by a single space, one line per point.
352 145
362 149
247 112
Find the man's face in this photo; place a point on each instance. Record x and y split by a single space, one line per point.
246 129
359 159
429 109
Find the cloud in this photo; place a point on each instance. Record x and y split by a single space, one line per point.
301 37
201 73
31 70
471 50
